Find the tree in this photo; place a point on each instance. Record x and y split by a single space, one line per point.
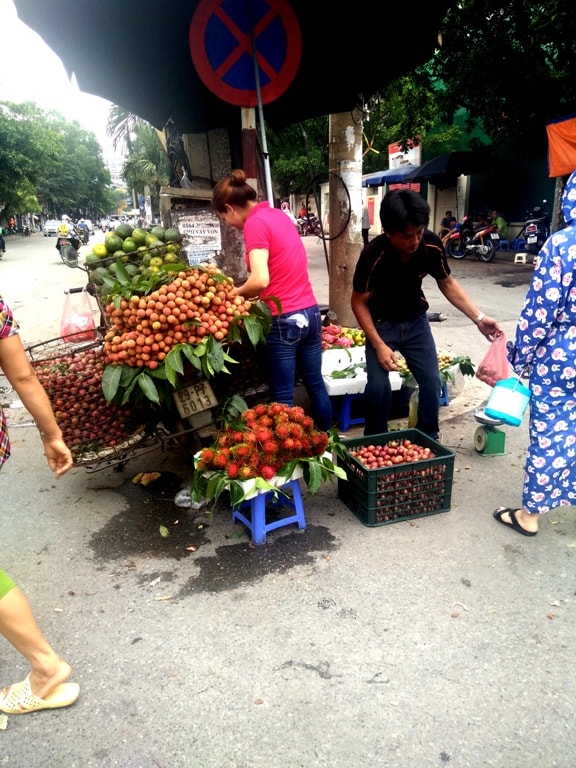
146 168
509 65
49 163
28 147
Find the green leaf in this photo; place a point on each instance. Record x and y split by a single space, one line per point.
148 388
111 381
164 532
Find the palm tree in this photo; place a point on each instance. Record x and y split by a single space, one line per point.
146 168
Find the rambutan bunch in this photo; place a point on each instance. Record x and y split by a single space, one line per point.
267 437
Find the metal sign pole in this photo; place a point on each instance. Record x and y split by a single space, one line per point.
265 154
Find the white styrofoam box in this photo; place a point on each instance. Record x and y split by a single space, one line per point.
357 384
337 358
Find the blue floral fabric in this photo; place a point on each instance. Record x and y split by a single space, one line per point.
8 327
545 345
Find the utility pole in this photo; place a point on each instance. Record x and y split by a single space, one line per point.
345 210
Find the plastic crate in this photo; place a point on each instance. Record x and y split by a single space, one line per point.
400 492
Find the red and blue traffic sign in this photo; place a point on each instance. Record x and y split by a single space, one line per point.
221 45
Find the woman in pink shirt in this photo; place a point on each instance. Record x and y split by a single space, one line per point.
278 274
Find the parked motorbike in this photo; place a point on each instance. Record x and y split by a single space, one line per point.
536 229
25 231
482 242
309 225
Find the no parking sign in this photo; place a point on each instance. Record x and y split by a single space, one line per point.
223 36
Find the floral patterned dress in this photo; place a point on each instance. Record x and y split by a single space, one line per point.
8 327
545 345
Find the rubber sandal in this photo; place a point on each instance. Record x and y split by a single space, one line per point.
18 699
514 524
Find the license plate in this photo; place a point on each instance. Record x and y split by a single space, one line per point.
195 398
495 236
531 239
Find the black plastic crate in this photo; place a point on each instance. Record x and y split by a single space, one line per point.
400 492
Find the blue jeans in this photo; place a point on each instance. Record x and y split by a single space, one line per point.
414 340
294 345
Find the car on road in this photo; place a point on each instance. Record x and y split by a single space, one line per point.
50 228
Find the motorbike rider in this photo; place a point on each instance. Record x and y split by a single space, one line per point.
66 230
84 230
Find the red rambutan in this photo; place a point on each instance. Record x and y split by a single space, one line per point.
263 434
266 471
270 446
232 470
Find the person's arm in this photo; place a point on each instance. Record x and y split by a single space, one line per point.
458 297
385 355
19 372
259 277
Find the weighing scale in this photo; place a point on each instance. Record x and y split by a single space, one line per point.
488 439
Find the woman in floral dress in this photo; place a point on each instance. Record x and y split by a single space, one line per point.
545 348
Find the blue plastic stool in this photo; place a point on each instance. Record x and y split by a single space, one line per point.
444 395
345 420
519 244
256 521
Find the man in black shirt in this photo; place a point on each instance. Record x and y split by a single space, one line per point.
390 307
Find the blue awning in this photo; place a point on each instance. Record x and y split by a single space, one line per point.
391 176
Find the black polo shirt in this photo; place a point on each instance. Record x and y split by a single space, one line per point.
396 285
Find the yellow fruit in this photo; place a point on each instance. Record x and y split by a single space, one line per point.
100 250
151 239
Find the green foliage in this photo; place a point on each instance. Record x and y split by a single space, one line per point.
510 66
49 163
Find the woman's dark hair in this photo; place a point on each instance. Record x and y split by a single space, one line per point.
233 190
402 207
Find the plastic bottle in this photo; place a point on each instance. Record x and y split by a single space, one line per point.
413 409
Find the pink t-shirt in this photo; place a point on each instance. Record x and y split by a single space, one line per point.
270 229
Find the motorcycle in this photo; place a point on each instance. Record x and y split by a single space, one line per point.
25 231
68 247
483 241
309 225
536 229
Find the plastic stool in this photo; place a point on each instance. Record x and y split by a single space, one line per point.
504 245
519 258
519 244
345 420
444 395
256 522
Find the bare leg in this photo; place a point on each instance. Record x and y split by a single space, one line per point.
19 627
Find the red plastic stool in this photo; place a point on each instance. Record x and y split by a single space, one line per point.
256 520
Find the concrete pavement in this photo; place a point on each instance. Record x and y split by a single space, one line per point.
446 640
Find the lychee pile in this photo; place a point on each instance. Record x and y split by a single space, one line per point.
197 302
266 438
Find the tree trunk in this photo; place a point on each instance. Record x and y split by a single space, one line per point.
345 214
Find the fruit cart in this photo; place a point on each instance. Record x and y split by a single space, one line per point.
160 366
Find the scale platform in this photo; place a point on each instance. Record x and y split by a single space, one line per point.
488 439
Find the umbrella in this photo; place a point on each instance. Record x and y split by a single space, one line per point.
136 54
391 176
444 170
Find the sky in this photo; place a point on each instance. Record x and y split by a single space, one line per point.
24 55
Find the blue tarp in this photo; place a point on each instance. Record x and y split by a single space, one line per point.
391 176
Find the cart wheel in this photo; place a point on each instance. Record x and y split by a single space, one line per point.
480 439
